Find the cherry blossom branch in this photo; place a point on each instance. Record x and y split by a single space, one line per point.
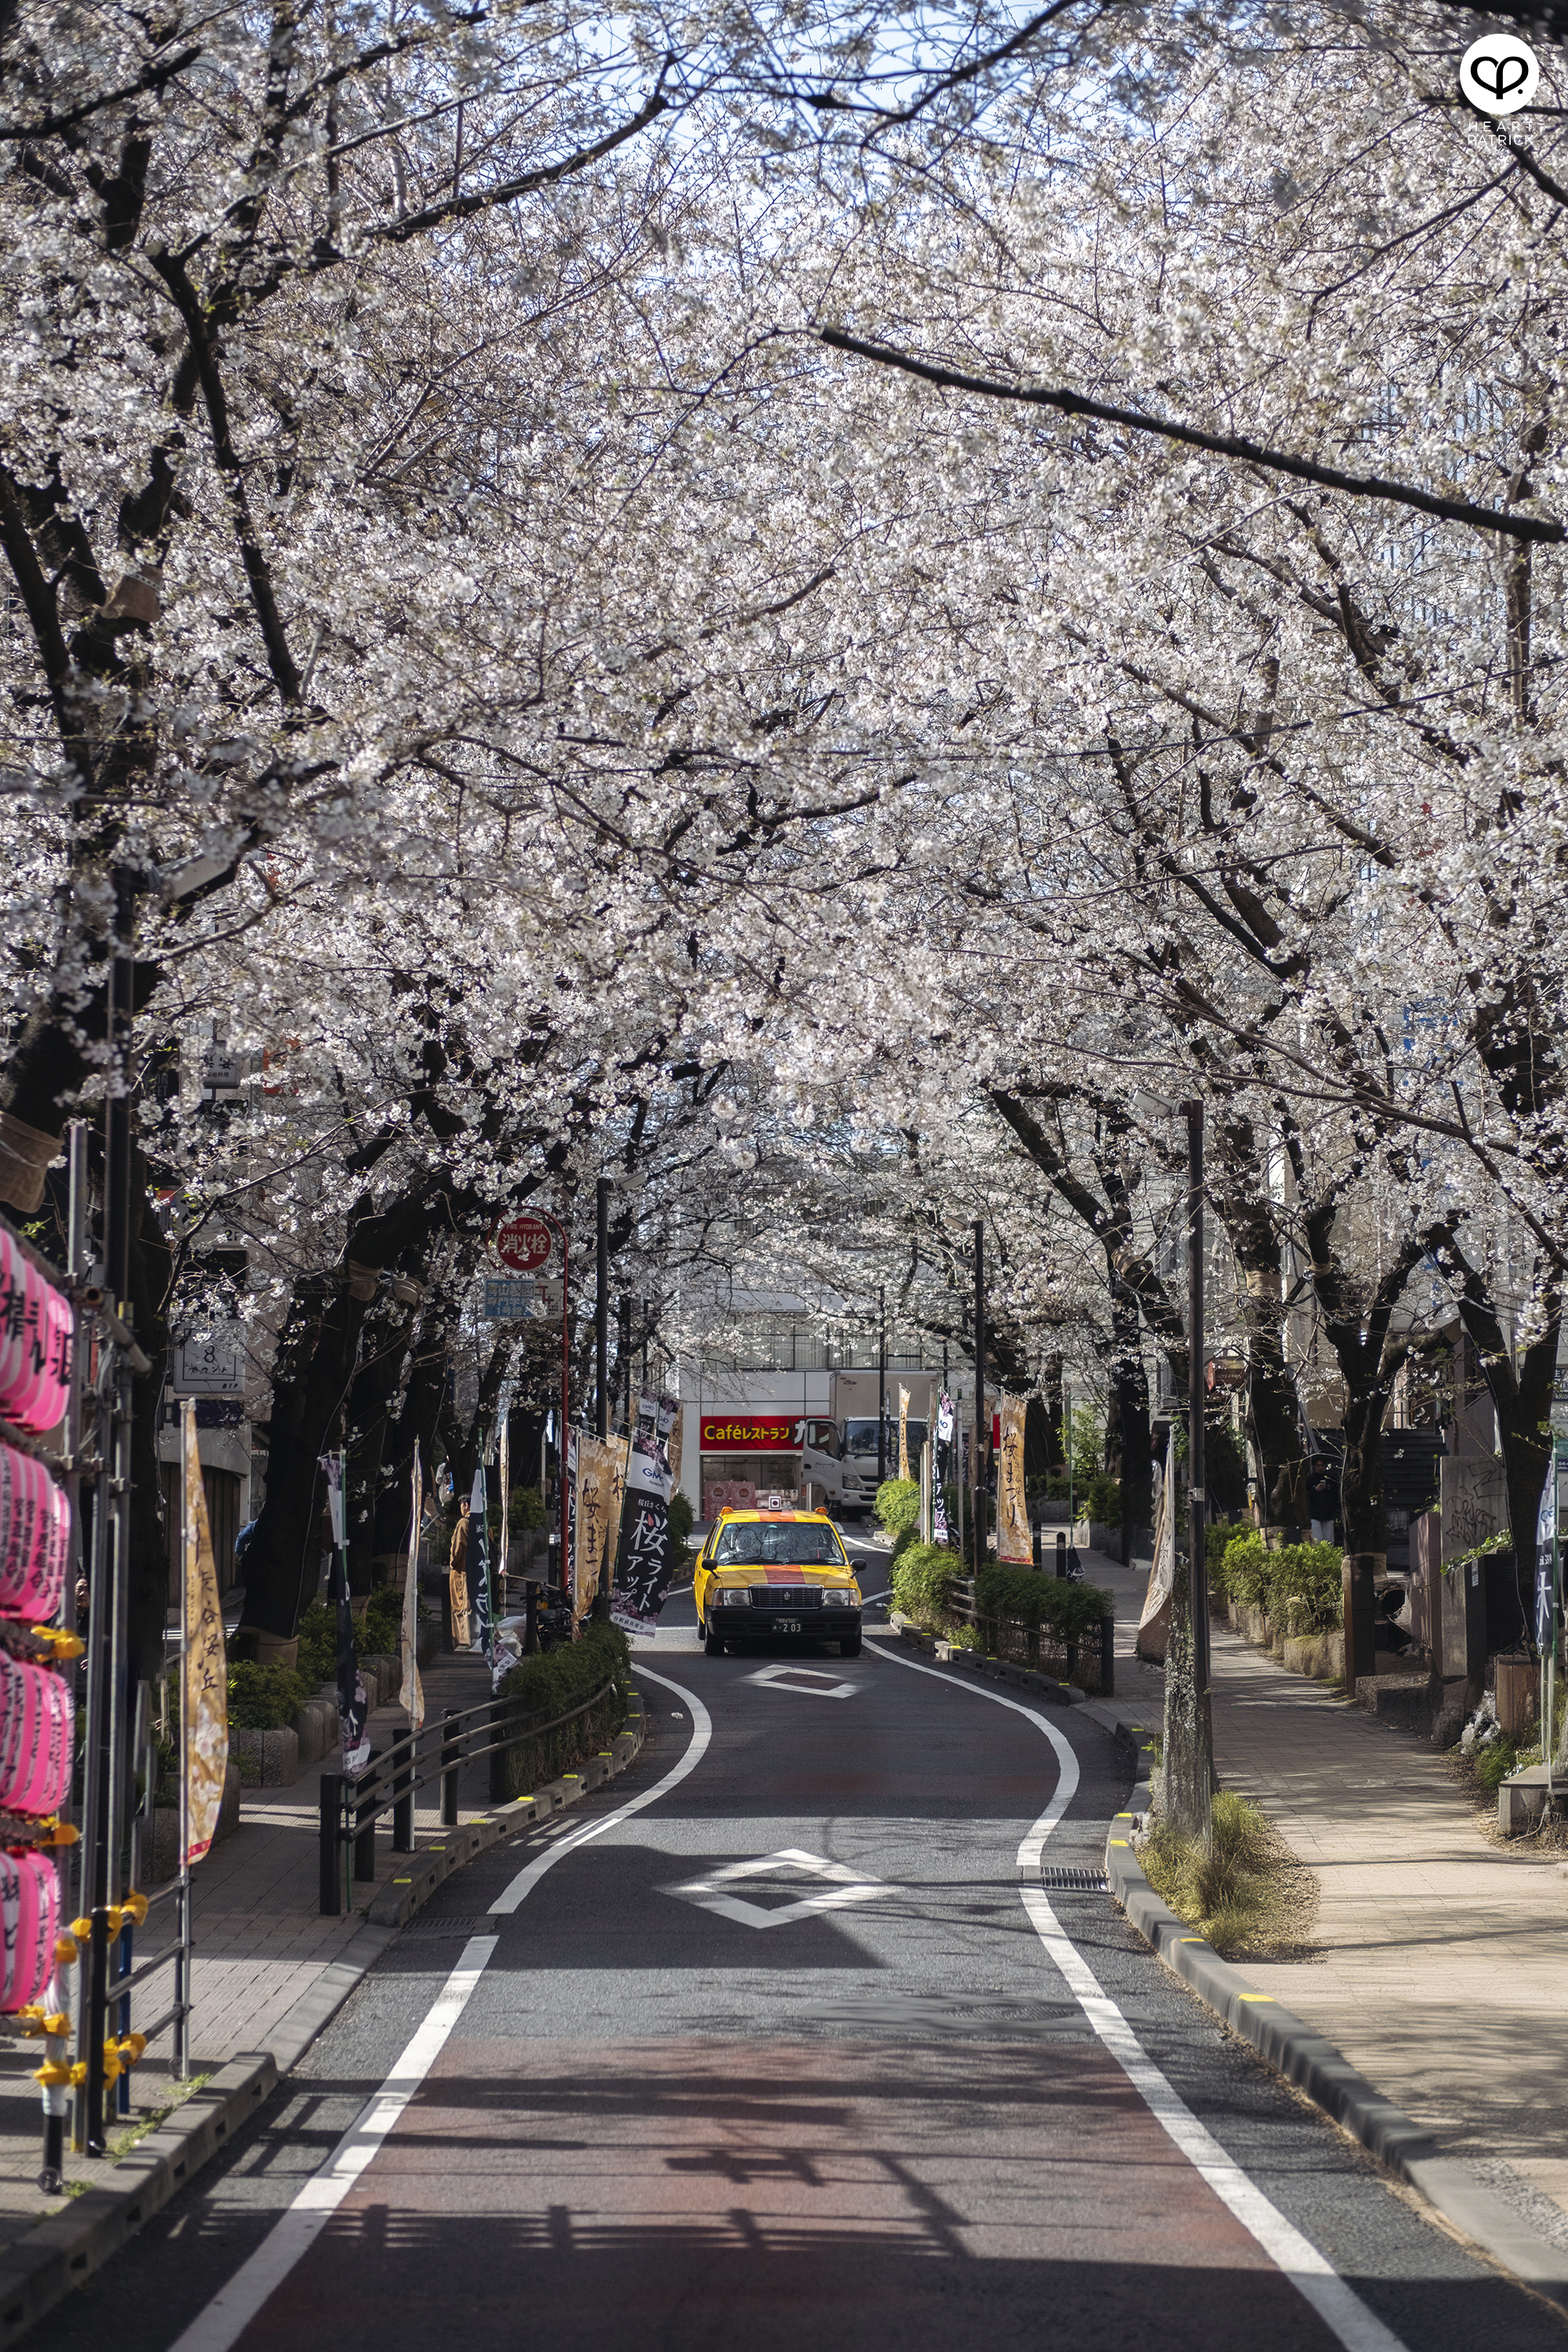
1219 444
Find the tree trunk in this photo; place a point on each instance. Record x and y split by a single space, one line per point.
387 1326
1188 1771
1130 1389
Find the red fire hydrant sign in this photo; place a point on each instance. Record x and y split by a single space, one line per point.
521 1243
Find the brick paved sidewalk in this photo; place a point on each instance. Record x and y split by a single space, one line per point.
260 1941
1439 1970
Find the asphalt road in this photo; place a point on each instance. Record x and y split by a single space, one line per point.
797 2051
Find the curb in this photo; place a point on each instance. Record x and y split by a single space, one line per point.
1309 2060
36 2272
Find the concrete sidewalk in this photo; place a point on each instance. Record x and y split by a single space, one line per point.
1438 1963
261 1945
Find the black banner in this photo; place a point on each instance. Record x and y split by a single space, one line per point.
642 1561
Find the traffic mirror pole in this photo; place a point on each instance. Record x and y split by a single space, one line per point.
981 1431
543 1217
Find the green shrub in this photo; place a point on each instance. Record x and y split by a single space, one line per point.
923 1583
905 1537
1242 1570
318 1655
526 1509
264 1698
551 1684
1494 1764
897 1503
1102 1500
1026 1598
680 1517
380 1631
1301 1586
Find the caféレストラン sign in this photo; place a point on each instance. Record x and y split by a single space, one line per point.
750 1433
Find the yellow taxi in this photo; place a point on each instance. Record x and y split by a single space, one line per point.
777 1575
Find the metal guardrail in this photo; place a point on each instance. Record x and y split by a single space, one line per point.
1038 1646
349 1808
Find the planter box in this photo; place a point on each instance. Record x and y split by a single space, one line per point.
266 1760
1410 1702
1518 1695
1319 1656
160 1853
316 1727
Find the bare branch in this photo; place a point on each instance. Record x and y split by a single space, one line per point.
1219 445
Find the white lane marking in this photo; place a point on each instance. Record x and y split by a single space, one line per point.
234 2306
528 1878
1032 1845
1338 2306
843 1886
808 1681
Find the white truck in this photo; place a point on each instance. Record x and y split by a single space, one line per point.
839 1457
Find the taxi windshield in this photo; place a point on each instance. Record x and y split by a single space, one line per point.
786 1543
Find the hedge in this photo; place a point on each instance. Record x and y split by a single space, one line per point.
264 1698
1026 1598
922 1581
551 1685
898 1505
1301 1587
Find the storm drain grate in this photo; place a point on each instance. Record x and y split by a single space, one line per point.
1087 1881
465 1923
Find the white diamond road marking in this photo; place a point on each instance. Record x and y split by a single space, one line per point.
842 1886
809 1681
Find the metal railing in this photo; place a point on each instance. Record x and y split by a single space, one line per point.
1087 1659
349 1808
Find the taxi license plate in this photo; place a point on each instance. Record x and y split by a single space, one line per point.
789 1625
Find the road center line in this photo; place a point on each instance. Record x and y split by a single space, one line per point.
1336 2305
230 2313
528 1878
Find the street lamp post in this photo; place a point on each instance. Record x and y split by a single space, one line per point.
602 1310
978 1466
881 1384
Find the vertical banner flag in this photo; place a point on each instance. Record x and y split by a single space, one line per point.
410 1695
642 1569
601 1482
203 1669
503 1472
903 1430
1014 1540
479 1595
567 1564
353 1703
940 1531
1153 1625
1545 1562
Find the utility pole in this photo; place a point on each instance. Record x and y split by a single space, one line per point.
1189 1735
602 1348
881 1384
977 1468
602 1312
1197 1513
